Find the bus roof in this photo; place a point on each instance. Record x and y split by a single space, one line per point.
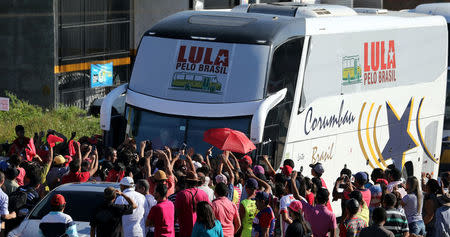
442 8
272 29
228 27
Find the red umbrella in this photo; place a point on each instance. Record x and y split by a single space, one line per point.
227 139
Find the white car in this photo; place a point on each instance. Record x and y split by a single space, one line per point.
81 198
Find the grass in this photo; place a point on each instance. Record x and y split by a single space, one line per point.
64 119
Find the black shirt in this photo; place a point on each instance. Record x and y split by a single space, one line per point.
296 229
107 219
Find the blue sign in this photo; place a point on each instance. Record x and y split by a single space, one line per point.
101 75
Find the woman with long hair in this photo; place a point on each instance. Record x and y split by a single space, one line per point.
430 204
412 204
299 227
206 225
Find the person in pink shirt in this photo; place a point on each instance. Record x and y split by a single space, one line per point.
226 211
322 221
186 202
162 215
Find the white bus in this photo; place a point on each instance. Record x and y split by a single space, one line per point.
441 9
284 76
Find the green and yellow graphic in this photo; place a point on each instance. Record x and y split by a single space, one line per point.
351 70
196 82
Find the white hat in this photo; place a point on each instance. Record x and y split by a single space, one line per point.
127 181
197 164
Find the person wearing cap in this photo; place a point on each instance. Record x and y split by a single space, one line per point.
56 222
221 178
186 202
377 229
247 208
317 171
286 199
225 211
299 226
442 215
134 223
352 224
204 181
245 162
162 176
106 220
57 170
264 222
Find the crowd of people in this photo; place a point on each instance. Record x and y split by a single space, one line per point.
178 192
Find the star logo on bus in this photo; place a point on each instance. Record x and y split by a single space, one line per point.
222 58
400 139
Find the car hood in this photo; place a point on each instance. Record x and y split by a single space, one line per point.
31 228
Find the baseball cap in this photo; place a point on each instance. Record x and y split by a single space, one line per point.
59 160
220 178
57 200
160 175
127 181
247 159
296 206
361 177
251 183
262 196
317 167
258 169
287 170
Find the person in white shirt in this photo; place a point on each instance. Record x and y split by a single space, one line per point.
134 224
394 177
143 187
205 181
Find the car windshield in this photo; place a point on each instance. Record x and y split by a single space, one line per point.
80 205
173 131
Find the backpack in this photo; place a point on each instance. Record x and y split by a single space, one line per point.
17 200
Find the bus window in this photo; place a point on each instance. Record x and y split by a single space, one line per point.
284 68
283 74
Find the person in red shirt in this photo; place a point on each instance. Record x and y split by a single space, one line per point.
18 146
186 202
226 211
162 215
75 174
161 176
317 171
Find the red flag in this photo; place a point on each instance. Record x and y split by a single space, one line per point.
71 148
30 150
52 140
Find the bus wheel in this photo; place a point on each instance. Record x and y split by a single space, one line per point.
212 89
187 86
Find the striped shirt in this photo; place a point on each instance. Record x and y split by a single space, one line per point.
56 223
396 222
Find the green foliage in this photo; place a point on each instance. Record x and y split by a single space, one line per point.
63 119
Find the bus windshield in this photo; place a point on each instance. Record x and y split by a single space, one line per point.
172 131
